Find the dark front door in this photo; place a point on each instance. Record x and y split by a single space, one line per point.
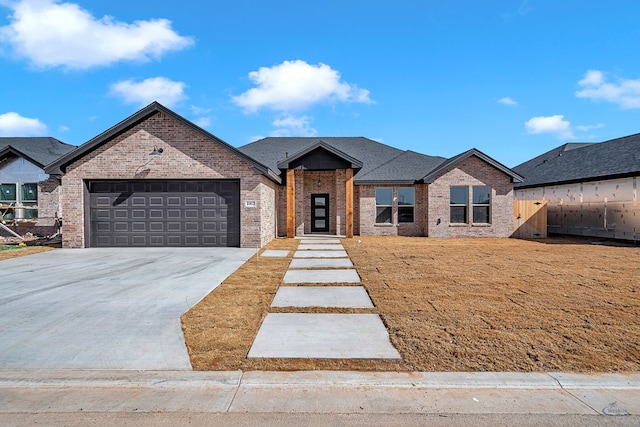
319 212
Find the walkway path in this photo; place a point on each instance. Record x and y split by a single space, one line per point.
322 276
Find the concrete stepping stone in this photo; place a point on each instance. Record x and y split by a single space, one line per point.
321 246
321 263
275 253
323 336
320 254
322 296
321 276
325 241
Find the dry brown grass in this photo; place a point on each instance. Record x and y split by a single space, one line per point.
15 252
453 305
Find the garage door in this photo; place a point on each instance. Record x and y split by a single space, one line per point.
164 213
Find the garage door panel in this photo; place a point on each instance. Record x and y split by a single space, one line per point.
164 213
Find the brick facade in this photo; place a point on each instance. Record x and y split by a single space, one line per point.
188 154
471 171
367 212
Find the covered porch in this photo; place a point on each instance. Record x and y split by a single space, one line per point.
319 191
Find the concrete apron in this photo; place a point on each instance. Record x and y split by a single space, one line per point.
319 392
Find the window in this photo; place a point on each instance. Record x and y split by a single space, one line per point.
458 204
481 204
26 197
406 202
384 204
29 199
8 197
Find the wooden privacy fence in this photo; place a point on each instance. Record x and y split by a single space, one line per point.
529 219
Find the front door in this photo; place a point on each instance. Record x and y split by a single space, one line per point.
320 213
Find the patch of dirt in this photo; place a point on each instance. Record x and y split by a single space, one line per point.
8 252
452 305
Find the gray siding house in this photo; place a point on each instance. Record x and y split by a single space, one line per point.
29 199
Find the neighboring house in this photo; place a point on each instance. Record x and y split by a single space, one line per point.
591 188
156 179
28 195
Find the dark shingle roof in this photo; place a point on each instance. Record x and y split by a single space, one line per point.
575 162
39 150
380 163
272 150
405 168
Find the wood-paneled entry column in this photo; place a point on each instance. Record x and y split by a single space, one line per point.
349 202
291 204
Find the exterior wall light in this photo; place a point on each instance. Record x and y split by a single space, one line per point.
156 151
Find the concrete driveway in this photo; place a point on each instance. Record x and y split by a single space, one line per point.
105 308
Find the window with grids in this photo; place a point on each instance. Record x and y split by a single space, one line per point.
481 205
406 204
384 205
458 204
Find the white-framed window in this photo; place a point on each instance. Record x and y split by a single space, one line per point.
459 204
384 205
406 204
481 205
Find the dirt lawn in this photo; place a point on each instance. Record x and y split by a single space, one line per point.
7 252
453 305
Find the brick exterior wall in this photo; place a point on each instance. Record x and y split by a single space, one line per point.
469 172
366 199
315 182
188 154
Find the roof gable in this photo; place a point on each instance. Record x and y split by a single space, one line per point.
453 161
320 156
59 166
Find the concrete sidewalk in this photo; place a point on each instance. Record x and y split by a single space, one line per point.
326 392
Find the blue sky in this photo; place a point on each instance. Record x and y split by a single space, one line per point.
513 78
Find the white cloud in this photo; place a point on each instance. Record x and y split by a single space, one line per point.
287 125
555 125
199 111
165 91
297 85
624 92
13 124
587 128
203 122
51 33
507 100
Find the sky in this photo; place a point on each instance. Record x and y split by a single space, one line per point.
512 78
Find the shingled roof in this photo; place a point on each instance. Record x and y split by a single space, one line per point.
381 163
270 151
39 150
574 162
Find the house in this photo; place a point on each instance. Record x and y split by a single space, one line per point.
156 179
590 188
28 195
